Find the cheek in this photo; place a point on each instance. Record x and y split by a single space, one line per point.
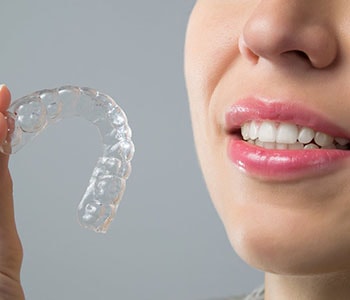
211 48
221 182
211 45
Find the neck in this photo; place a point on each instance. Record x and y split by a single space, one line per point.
320 287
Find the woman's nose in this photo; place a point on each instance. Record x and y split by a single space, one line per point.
278 28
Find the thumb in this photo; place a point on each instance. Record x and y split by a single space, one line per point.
6 199
11 253
6 202
10 246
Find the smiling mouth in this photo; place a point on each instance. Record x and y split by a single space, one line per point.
288 136
283 141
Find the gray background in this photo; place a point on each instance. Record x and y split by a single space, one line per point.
166 241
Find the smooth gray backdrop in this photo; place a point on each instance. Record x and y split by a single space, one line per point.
167 241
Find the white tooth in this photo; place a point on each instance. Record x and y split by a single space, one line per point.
342 141
259 143
281 146
251 142
331 146
295 146
323 139
287 133
253 130
268 145
306 135
267 132
311 146
245 131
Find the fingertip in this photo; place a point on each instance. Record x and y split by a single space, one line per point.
5 97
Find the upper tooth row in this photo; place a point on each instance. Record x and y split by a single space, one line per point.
286 133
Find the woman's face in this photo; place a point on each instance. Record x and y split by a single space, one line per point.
281 69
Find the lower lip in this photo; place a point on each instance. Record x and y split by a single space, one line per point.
283 165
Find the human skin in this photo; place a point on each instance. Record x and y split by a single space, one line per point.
297 231
295 228
10 246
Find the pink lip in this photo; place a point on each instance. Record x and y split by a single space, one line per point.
255 109
281 164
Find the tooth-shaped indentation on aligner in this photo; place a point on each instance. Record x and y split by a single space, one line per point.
28 116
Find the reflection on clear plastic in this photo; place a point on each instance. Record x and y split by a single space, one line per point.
30 115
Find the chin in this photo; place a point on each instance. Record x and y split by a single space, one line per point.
284 244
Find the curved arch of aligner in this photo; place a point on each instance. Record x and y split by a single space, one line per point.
30 115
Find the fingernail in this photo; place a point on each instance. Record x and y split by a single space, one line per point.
1 86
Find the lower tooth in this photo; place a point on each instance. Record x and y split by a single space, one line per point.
259 143
340 147
296 146
268 145
332 146
311 146
281 146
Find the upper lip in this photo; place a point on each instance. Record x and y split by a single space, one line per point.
250 109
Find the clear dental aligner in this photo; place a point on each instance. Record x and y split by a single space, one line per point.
30 115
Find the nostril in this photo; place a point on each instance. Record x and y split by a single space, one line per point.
302 54
298 53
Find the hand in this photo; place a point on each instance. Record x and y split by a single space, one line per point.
10 246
